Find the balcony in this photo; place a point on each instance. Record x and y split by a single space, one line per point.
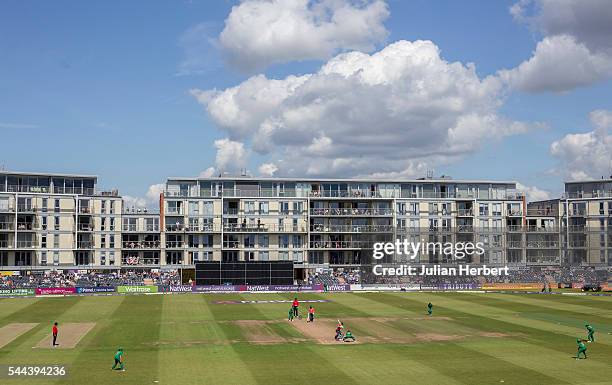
26 244
26 209
85 227
141 245
175 228
25 226
465 213
340 245
85 210
5 244
351 228
85 245
174 244
4 226
228 211
465 229
351 212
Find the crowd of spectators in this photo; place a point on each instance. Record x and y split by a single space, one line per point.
91 279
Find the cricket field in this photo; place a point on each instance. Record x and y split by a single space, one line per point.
471 338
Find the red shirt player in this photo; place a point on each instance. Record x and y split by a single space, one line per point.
54 331
296 305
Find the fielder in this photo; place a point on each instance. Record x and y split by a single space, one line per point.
290 315
591 331
118 360
581 348
429 309
311 313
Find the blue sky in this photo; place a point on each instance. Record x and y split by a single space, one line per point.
104 88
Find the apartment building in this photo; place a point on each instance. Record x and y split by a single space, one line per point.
582 218
65 221
51 220
315 222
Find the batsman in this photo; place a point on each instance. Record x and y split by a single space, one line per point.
591 333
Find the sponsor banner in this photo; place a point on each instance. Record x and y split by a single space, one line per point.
408 287
176 289
55 290
504 286
338 287
16 292
577 285
97 289
137 289
269 301
215 288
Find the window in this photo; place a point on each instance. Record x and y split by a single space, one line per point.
43 223
152 224
446 208
294 222
56 224
283 255
298 207
264 256
111 241
249 207
111 258
56 258
433 209
284 207
111 227
496 224
45 203
102 259
102 224
283 241
111 207
264 208
129 224
264 241
414 208
103 207
484 209
57 205
601 208
281 224
103 241
4 204
249 241
43 258
43 241
497 209
194 208
56 241
249 256
297 241
208 208
401 208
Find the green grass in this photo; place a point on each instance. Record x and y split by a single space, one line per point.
188 339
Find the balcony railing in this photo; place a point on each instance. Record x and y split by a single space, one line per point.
4 244
340 244
351 212
7 226
141 245
84 245
174 244
591 194
26 244
26 209
25 226
351 228
85 227
465 229
465 212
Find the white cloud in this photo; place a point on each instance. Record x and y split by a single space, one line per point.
258 33
231 155
576 50
209 172
587 155
150 200
399 110
559 63
268 169
534 193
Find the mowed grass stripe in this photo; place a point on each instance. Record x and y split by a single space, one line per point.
133 325
12 305
549 303
45 312
544 360
498 310
514 326
339 307
293 364
599 302
384 364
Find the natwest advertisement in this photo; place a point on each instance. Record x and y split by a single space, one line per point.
55 290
